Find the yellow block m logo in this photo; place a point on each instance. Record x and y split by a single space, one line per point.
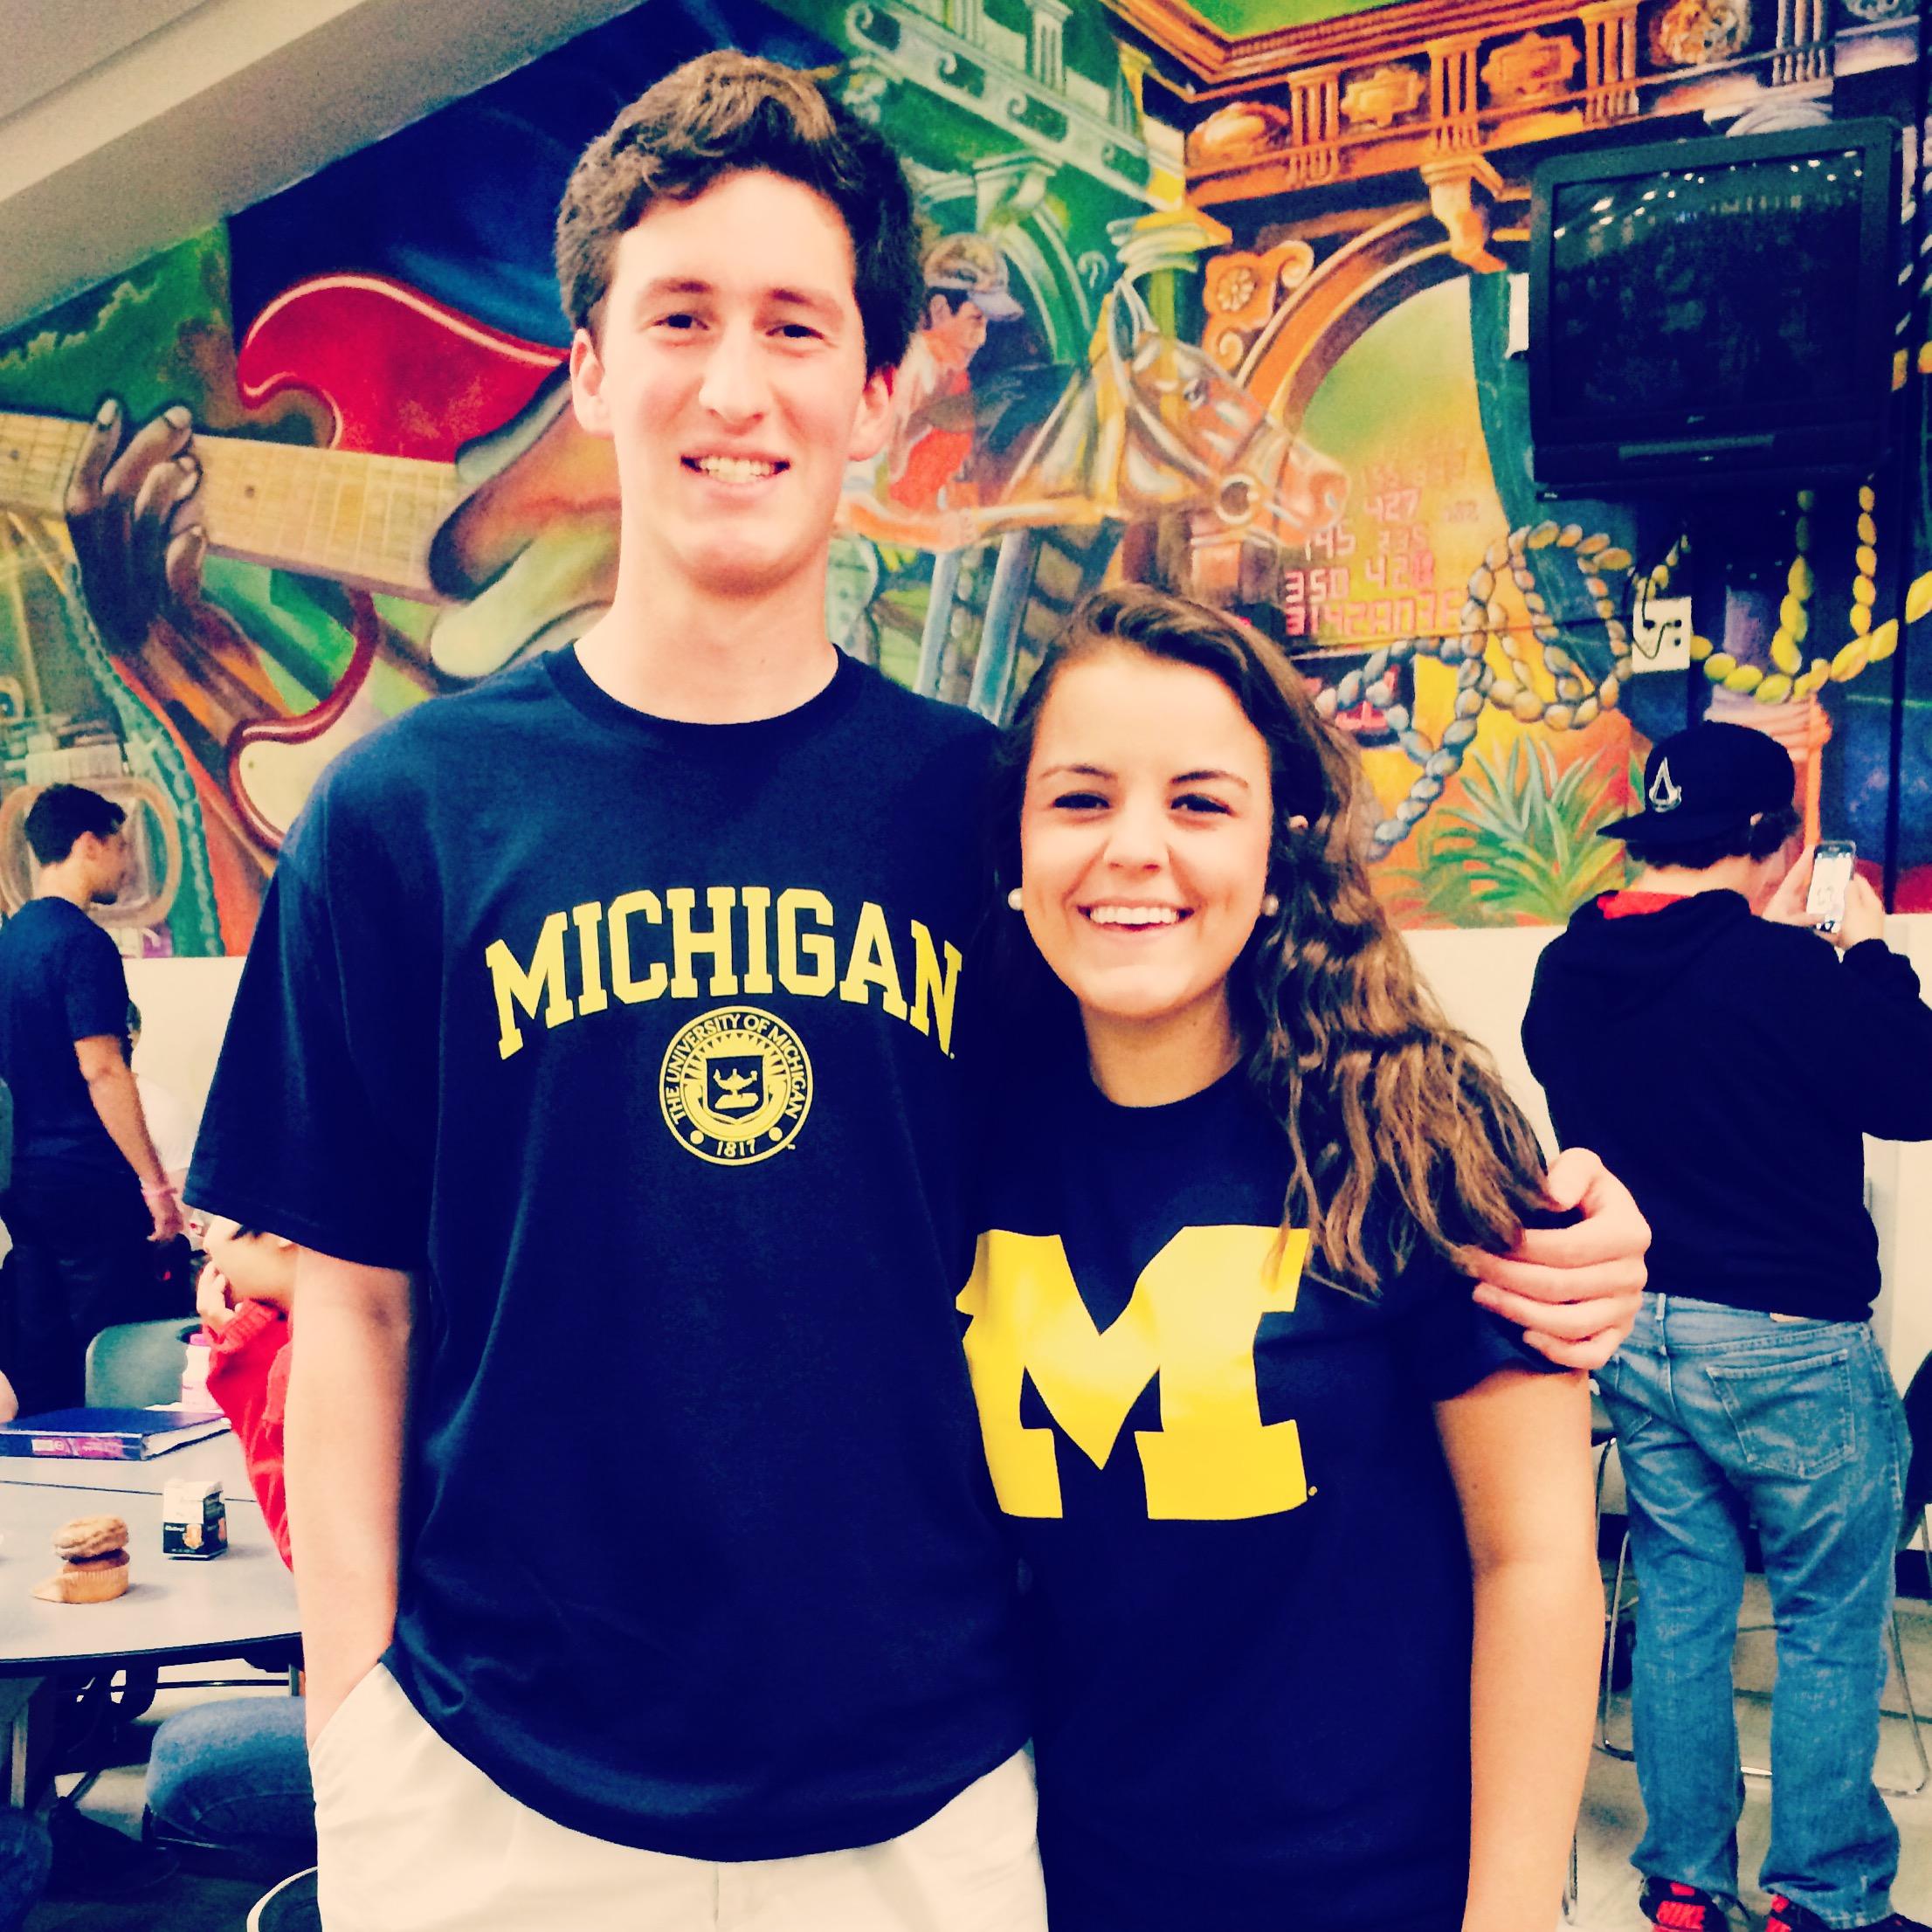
1191 1320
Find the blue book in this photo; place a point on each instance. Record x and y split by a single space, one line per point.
109 1435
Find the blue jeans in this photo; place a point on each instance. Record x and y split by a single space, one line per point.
232 1777
1724 1416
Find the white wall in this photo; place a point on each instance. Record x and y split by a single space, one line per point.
1483 980
183 1009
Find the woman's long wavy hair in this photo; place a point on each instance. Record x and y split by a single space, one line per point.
1374 1090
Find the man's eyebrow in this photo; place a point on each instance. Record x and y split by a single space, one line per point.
812 300
674 285
816 301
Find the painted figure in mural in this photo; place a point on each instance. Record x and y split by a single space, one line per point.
1331 1435
1752 1388
1150 425
1693 33
87 1195
933 425
627 1000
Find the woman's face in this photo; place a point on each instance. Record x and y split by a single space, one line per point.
1144 839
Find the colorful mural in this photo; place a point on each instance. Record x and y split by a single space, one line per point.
1223 296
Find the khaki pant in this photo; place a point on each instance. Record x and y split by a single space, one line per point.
413 1838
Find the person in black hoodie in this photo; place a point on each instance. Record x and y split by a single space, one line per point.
1727 1062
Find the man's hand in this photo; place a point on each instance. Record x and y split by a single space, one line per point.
134 523
164 1210
1864 915
1864 910
1786 906
347 1390
1574 1290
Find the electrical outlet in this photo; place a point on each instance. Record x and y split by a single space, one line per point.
1660 634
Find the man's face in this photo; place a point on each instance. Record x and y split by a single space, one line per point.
729 371
111 867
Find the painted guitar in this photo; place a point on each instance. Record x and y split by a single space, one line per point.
512 540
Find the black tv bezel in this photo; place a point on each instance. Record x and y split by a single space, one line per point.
1665 451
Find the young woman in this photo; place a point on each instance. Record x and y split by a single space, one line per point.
1310 1536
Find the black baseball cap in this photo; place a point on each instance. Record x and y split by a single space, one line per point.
1710 780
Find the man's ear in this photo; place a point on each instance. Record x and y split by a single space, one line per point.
871 427
1779 863
587 400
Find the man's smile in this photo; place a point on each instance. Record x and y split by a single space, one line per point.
725 468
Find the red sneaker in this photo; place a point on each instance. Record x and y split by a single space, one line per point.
1675 1907
1786 1917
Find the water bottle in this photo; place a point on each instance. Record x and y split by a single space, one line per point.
194 1372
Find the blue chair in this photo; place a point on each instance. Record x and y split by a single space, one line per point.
138 1364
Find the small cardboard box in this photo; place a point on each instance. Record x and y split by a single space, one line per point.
194 1518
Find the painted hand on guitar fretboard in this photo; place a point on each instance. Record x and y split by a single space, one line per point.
471 455
136 512
131 515
134 507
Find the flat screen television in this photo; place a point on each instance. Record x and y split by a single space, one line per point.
1714 309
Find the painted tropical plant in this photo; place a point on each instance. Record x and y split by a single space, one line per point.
1520 847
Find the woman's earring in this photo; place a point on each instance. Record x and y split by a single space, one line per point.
1298 822
1013 899
1270 904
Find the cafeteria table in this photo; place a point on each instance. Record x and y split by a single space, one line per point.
176 1609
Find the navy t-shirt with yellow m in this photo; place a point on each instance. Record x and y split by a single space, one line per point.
1250 1603
636 1040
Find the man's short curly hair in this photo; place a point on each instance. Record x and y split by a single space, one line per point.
63 814
725 113
1758 837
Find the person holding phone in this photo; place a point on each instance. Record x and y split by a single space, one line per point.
1727 1059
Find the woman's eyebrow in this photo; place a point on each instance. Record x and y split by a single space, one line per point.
1203 777
1076 771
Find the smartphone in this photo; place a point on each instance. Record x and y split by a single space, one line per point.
1830 880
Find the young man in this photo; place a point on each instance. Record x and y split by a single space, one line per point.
88 1192
1752 1387
616 1002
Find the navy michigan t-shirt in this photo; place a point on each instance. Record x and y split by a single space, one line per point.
1250 1592
637 1041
